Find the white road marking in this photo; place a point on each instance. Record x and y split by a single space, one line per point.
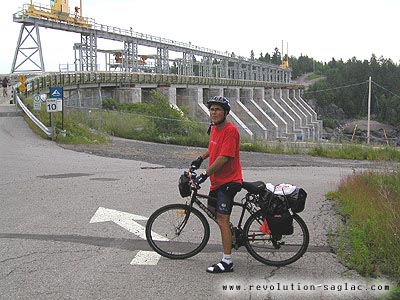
127 221
149 258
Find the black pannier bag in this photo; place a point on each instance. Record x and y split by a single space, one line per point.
280 224
184 186
276 211
297 200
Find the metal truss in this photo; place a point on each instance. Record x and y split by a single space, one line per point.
162 61
130 57
206 66
29 49
186 65
88 52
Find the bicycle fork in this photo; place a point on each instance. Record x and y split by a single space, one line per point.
181 226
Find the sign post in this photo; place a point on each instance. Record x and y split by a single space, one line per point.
51 107
57 94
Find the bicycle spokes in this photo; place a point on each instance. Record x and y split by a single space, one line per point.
276 249
187 231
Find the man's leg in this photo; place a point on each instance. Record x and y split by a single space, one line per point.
226 233
224 208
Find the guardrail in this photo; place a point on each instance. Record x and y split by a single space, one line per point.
35 120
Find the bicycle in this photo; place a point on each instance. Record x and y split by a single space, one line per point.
179 231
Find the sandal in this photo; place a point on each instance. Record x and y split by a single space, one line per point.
220 267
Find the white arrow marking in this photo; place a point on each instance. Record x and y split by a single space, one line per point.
146 258
127 221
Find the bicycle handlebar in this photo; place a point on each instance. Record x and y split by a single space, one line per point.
191 174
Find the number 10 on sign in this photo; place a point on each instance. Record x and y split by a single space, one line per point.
53 105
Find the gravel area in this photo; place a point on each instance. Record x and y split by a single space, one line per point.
175 156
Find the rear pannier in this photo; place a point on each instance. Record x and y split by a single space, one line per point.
297 200
276 212
295 196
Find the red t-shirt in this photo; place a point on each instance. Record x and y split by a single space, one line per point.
225 142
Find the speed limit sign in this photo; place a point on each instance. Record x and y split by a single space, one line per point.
51 105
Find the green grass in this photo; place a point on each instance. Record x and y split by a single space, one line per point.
369 241
358 152
76 133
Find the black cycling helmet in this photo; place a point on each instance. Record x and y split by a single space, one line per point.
222 101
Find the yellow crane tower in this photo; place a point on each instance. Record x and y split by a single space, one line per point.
285 58
59 10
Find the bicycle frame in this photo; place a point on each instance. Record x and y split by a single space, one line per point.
247 205
270 248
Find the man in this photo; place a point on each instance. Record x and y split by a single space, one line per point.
225 172
4 84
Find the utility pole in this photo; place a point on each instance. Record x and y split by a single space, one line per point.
369 110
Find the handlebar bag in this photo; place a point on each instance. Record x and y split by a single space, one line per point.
184 186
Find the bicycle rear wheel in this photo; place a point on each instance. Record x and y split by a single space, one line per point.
177 231
275 250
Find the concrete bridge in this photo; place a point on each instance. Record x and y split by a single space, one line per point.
261 111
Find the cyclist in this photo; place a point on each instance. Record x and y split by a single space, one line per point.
5 85
225 172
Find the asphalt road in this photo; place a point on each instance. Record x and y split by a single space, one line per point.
64 233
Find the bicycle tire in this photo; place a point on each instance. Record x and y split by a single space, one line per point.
161 231
261 246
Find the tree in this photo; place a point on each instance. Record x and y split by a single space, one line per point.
267 57
346 86
276 57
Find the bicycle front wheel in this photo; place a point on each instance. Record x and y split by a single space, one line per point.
278 250
177 231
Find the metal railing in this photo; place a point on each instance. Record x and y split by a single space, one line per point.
43 82
35 120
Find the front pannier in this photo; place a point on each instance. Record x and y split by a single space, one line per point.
297 200
184 186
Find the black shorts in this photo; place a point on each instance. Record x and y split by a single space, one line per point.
224 195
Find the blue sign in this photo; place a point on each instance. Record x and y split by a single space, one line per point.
56 92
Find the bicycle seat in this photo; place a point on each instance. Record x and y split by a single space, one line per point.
256 187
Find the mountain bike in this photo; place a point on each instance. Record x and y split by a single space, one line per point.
179 231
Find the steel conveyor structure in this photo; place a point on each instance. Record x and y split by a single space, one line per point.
212 63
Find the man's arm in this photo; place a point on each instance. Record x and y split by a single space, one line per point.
205 155
197 163
218 164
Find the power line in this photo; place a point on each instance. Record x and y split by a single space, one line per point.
337 88
385 89
351 85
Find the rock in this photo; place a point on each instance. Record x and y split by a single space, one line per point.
332 111
376 128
